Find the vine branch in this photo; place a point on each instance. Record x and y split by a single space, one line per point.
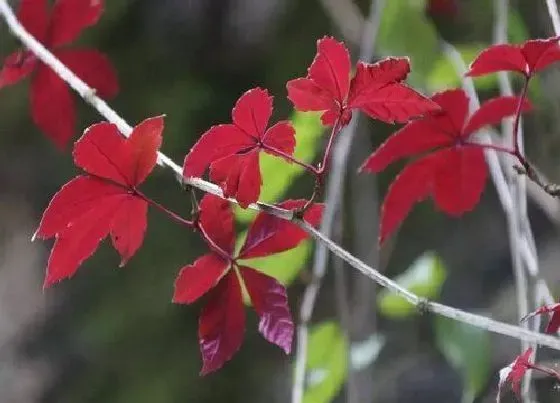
88 94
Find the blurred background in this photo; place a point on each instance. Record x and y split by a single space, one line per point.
113 335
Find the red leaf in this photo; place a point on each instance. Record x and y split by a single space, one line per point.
527 59
88 221
239 176
221 324
52 107
216 219
142 146
454 172
498 58
232 150
330 69
102 151
412 185
34 16
540 53
252 112
454 106
554 323
395 103
94 68
459 179
129 227
88 208
80 239
271 303
281 136
71 17
269 234
216 143
376 89
76 198
17 66
415 138
515 372
197 279
308 96
493 112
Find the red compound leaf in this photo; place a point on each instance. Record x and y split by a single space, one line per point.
222 324
528 59
103 202
268 234
219 273
271 303
554 322
515 372
454 172
376 89
232 150
52 107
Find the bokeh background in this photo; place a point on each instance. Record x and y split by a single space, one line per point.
112 335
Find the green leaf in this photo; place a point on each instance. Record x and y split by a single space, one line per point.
327 363
406 31
444 75
277 174
467 349
424 278
364 353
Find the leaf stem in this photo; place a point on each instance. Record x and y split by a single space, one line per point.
213 245
321 169
518 115
545 370
176 217
290 158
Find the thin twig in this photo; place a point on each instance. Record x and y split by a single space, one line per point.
423 305
334 192
514 135
554 15
347 17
